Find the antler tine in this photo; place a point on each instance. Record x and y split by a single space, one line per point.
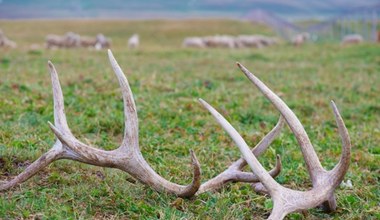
191 189
47 158
258 186
56 152
341 168
234 172
59 108
80 151
131 133
255 165
139 167
311 159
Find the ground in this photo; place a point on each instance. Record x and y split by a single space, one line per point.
166 81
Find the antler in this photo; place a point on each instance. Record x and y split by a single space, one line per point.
324 182
127 157
234 172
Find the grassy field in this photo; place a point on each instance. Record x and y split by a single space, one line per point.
167 80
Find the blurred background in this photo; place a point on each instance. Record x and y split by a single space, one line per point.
324 20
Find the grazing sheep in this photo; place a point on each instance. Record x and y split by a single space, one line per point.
133 41
352 39
267 41
300 39
102 42
257 41
195 42
5 42
69 40
243 41
53 41
73 40
224 41
87 41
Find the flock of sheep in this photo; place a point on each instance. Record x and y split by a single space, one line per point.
227 41
73 40
301 38
254 41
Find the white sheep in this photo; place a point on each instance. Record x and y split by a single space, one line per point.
300 39
53 41
5 42
248 41
195 42
225 41
133 41
86 41
102 42
352 39
71 40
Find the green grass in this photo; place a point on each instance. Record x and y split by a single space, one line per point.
166 81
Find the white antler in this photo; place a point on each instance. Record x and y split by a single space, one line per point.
324 182
127 157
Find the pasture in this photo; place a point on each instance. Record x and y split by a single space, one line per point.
166 81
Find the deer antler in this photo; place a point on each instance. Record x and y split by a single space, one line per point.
324 182
127 157
234 172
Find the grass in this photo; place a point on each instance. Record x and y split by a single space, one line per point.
166 80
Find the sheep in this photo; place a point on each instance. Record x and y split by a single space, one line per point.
71 40
267 41
5 42
300 39
248 41
133 41
257 41
87 41
195 42
352 39
53 41
225 41
102 42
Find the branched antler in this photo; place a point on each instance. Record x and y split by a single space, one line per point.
324 182
127 157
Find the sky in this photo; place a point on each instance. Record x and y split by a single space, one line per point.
171 9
